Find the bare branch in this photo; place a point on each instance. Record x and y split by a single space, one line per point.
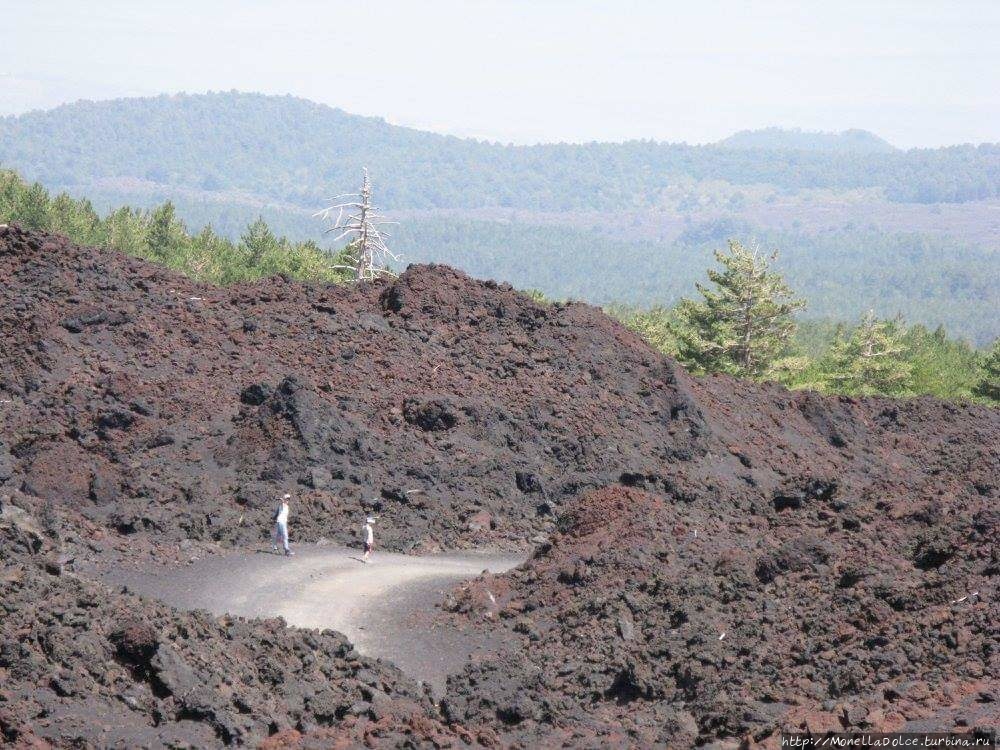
366 251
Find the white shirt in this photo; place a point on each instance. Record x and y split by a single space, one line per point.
282 514
369 534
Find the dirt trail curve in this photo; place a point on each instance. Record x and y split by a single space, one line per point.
384 607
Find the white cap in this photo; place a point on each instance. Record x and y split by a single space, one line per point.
286 496
370 519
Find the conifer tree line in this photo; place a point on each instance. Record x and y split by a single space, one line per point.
159 235
743 324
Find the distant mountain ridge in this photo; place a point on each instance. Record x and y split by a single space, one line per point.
288 149
774 138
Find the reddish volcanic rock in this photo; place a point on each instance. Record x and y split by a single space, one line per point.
676 622
716 559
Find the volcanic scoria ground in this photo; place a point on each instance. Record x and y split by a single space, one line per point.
715 561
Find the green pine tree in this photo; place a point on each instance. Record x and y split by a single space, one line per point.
126 232
989 386
941 366
872 359
745 321
258 242
76 219
655 326
165 234
32 210
536 295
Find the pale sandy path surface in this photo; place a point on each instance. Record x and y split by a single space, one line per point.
384 607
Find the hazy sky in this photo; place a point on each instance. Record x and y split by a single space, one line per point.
916 73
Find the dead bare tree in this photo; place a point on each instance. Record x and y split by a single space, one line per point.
366 254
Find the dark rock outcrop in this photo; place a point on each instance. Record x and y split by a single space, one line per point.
716 559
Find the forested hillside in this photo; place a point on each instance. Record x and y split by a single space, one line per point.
294 150
860 226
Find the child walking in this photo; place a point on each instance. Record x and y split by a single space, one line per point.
369 536
281 526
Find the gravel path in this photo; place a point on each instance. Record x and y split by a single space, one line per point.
384 607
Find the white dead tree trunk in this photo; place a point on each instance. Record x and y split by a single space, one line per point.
361 223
